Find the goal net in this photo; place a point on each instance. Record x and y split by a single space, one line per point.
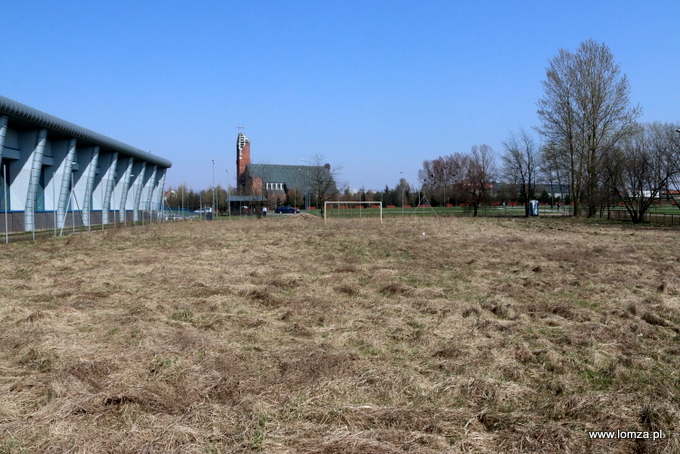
338 209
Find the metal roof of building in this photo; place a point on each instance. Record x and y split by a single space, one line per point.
293 176
30 116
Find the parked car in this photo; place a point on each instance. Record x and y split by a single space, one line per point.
203 210
286 209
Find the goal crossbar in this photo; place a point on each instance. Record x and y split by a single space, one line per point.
325 207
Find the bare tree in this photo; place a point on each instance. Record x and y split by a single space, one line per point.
520 165
322 180
642 166
442 172
479 173
429 176
402 191
584 113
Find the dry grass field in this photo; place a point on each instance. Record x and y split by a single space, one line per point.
288 336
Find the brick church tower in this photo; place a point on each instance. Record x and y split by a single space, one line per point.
242 158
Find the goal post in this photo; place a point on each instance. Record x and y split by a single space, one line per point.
345 205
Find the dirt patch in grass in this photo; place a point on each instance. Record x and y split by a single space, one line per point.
288 335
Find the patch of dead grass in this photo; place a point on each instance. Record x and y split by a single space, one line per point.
290 336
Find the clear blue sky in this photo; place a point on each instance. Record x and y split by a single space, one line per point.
375 86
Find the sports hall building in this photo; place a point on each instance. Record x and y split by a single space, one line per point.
56 174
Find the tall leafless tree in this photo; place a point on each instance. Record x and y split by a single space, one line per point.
479 173
322 180
585 111
520 165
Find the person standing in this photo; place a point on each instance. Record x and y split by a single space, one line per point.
264 211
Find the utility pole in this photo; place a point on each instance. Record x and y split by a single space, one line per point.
227 202
307 201
402 195
213 191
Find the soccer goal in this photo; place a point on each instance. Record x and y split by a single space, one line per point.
340 209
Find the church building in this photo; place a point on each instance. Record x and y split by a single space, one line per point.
279 184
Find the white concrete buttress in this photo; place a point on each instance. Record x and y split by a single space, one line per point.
110 180
138 192
127 176
161 185
90 173
65 190
36 169
150 186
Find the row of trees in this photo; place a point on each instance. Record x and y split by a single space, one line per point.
189 199
467 177
185 197
400 195
592 143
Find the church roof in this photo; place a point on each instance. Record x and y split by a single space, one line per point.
298 176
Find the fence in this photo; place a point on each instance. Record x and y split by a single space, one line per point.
657 218
12 223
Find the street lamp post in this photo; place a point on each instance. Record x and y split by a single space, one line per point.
446 181
213 189
402 195
307 202
304 198
227 202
